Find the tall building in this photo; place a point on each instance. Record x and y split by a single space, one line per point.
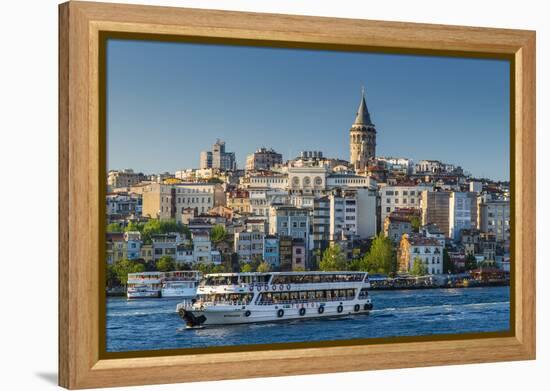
218 158
362 137
462 213
263 159
494 218
435 209
352 212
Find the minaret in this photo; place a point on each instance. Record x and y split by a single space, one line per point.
362 137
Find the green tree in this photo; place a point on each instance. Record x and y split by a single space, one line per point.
299 269
114 227
419 269
381 257
218 233
123 267
166 264
333 259
263 267
470 262
246 268
415 223
448 265
133 227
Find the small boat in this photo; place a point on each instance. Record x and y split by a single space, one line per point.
235 298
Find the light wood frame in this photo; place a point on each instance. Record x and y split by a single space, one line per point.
81 174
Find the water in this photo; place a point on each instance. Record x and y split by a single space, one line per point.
151 324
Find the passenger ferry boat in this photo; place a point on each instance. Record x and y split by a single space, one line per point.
181 284
144 285
233 298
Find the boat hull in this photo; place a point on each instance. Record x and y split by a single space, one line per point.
188 293
227 315
152 294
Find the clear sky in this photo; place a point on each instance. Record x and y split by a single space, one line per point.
166 102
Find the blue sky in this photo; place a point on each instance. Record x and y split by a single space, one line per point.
166 102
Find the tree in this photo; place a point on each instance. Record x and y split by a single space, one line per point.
333 259
246 268
470 263
264 267
381 257
448 265
133 227
299 269
415 223
419 269
166 264
114 227
123 267
218 233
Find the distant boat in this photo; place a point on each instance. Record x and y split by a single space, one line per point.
233 298
144 285
181 284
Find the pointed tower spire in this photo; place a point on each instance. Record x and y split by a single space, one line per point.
363 116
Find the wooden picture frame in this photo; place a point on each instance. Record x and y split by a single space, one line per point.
82 170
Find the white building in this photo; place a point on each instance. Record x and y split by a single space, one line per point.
462 212
307 179
352 212
428 250
202 247
261 199
393 197
249 245
263 180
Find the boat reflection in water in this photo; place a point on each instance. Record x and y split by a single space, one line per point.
233 298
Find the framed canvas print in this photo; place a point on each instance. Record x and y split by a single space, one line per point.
247 195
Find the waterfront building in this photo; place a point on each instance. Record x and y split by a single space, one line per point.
299 254
184 254
462 213
320 234
263 159
494 218
202 247
249 245
469 239
146 252
133 244
285 252
169 201
435 209
271 251
290 221
428 250
400 196
165 245
362 137
218 158
115 247
124 178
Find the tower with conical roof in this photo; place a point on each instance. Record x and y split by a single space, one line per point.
362 137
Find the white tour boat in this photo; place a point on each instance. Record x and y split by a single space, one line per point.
144 285
181 283
233 298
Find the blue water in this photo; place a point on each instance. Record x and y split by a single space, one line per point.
151 324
